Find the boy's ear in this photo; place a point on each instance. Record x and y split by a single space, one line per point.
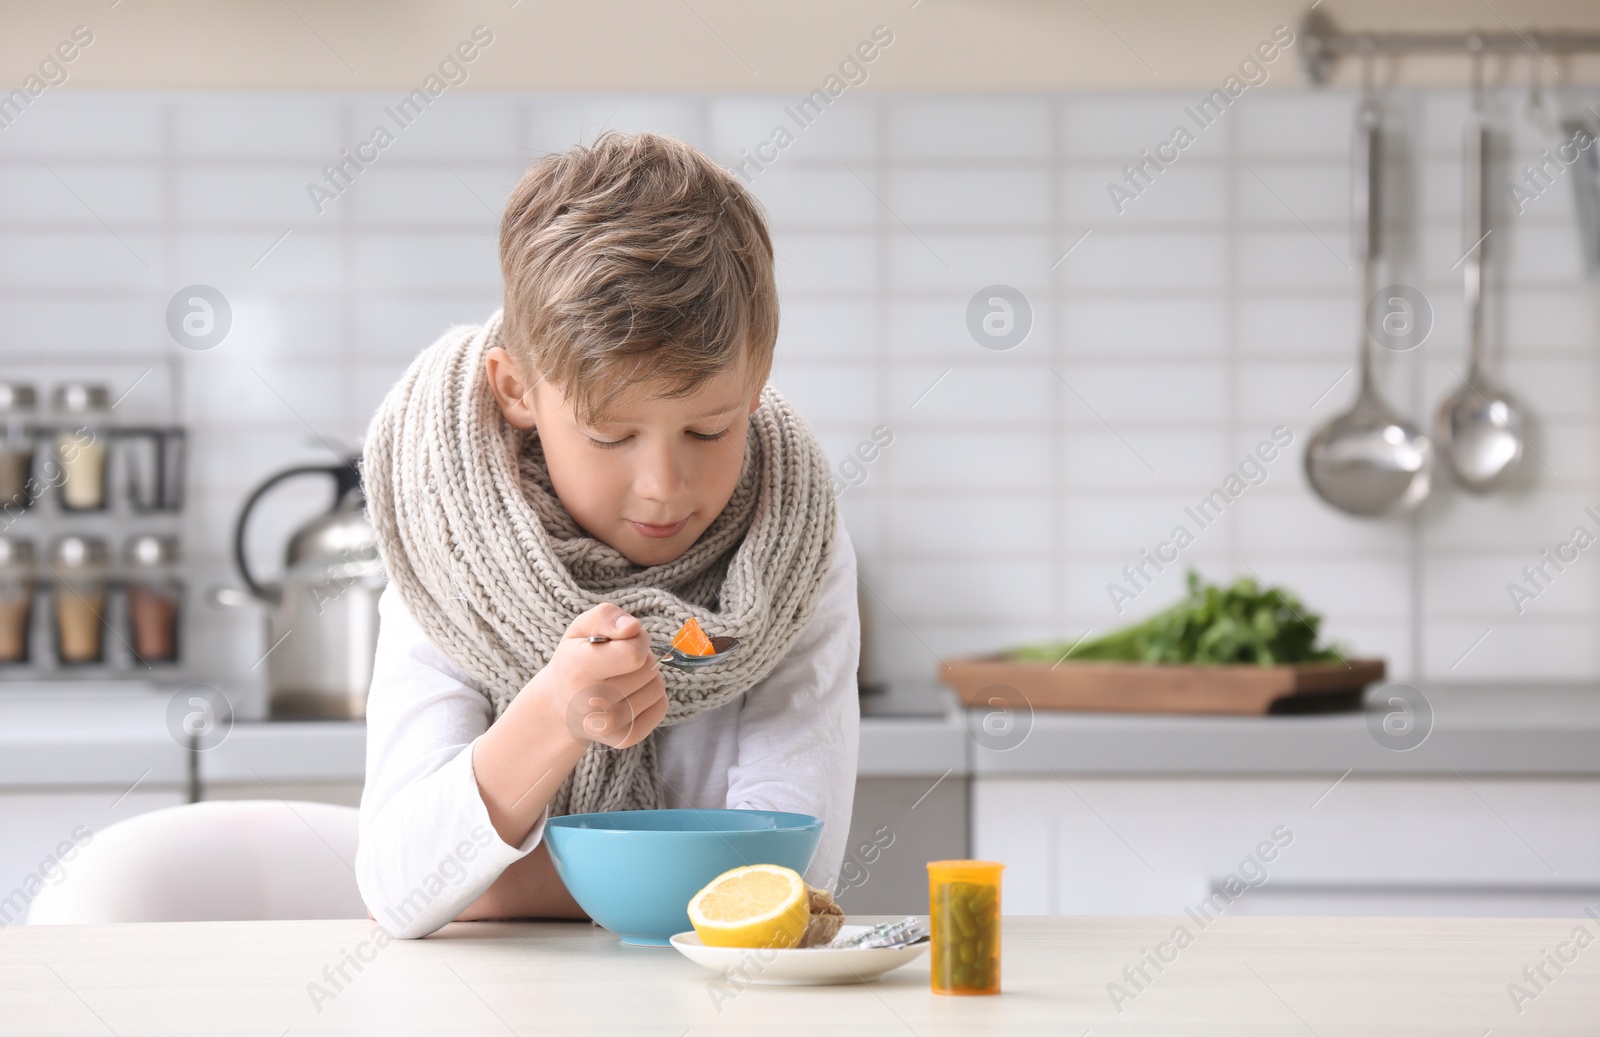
512 389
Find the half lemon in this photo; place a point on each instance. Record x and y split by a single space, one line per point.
758 905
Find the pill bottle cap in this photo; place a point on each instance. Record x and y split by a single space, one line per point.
964 871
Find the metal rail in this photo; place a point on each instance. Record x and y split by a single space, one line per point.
1321 44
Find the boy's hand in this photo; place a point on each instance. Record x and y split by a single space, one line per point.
611 691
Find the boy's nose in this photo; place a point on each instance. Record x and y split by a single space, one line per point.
660 474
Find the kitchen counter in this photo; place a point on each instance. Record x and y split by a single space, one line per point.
101 735
94 735
1188 791
1489 729
1393 976
95 754
113 735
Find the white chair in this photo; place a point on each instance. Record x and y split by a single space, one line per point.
224 860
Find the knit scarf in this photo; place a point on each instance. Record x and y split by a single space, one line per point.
494 569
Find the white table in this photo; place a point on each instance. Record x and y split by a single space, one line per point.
1239 976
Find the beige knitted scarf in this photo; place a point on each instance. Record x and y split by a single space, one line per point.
494 569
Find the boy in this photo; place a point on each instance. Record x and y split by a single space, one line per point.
602 460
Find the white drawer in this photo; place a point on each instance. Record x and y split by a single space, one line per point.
1473 844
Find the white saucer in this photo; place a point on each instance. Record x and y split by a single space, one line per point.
798 966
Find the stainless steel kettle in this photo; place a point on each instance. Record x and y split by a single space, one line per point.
322 617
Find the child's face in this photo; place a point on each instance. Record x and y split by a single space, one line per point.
650 476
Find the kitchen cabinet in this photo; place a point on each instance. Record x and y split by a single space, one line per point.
912 801
1470 845
66 756
36 823
1497 811
897 826
77 758
320 761
73 761
339 793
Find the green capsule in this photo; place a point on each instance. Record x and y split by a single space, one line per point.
963 918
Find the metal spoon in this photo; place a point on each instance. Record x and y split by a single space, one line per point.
1369 460
721 648
1480 425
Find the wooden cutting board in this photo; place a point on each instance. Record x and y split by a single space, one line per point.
1162 687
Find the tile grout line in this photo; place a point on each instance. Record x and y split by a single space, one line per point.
1594 474
1233 150
1058 354
347 317
178 369
1528 292
1091 163
880 498
1415 540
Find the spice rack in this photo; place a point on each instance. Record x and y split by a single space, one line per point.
92 583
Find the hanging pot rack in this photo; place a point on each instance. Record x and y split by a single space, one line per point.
1321 44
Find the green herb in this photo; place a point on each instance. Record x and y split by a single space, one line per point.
1214 624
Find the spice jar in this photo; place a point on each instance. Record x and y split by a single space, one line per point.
154 596
79 564
17 404
151 467
964 921
84 411
16 598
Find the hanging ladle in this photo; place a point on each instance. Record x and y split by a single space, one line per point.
1369 461
1480 425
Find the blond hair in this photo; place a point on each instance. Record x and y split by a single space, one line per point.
635 259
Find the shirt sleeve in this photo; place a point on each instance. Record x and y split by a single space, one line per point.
799 728
427 848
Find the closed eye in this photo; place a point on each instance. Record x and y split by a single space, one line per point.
607 444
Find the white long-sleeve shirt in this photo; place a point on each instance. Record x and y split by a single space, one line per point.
427 849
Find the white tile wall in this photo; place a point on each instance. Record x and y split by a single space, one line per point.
1173 337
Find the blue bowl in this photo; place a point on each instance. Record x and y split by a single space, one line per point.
635 871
